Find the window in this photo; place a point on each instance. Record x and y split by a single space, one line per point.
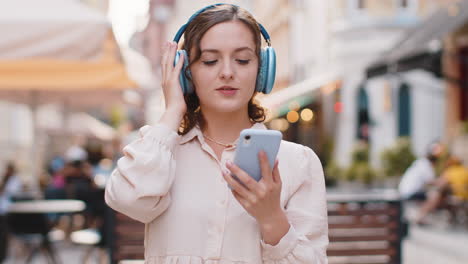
463 111
404 111
363 115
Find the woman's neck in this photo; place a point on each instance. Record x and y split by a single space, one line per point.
225 127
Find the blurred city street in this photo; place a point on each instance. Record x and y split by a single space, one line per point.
378 89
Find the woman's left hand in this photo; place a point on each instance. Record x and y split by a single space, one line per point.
260 199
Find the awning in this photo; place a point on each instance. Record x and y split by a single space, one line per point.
62 29
59 50
420 46
302 93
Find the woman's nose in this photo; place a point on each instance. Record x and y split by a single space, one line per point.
227 72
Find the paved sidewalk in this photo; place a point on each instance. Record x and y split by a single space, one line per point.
67 253
438 242
433 244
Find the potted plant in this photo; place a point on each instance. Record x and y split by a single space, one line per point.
396 159
333 173
360 171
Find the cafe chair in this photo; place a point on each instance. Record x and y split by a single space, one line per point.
92 239
32 229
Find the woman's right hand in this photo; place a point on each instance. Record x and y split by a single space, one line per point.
173 95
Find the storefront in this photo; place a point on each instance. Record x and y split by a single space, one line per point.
438 46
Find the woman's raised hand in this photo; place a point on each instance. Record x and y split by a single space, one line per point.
173 96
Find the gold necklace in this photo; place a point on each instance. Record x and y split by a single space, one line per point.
219 143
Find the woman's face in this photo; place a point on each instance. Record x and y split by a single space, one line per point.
225 75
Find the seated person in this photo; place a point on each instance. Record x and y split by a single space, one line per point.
79 185
453 181
420 174
10 185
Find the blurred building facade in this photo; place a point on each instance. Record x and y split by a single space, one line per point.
426 66
362 32
455 72
338 40
327 46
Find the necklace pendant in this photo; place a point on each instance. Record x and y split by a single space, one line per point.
219 143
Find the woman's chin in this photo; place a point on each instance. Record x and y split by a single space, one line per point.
227 108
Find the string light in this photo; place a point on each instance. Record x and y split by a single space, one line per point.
292 116
307 114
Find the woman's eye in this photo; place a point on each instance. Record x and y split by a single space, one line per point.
211 62
243 62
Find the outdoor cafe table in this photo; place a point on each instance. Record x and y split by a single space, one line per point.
47 206
32 219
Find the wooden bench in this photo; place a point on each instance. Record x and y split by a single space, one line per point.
365 228
126 238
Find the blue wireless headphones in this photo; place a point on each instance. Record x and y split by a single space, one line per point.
266 73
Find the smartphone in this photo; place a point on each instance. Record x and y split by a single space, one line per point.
251 142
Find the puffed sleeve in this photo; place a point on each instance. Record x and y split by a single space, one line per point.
139 186
307 238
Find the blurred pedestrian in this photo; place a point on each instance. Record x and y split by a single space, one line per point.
421 173
453 182
76 151
55 170
177 183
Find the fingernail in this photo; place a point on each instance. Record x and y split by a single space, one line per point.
228 163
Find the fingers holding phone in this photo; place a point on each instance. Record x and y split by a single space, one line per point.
256 184
260 199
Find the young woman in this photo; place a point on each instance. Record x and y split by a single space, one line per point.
175 177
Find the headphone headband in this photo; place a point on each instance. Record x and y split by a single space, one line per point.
181 31
266 70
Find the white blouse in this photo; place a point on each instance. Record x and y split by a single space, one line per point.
174 185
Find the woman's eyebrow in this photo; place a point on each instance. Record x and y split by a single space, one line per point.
236 50
243 48
210 51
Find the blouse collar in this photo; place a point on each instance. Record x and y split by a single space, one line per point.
196 132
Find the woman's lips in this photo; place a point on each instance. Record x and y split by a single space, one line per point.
228 91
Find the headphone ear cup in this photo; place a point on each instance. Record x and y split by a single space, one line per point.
185 83
260 85
270 69
267 71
